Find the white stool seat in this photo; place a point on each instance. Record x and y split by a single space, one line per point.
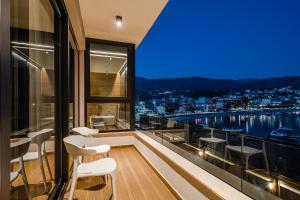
101 149
27 157
97 168
13 176
85 131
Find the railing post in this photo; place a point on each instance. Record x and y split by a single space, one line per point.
187 132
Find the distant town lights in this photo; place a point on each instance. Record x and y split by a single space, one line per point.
119 21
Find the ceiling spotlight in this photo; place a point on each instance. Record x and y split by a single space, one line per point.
119 21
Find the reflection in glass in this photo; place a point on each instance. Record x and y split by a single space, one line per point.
108 71
33 99
108 116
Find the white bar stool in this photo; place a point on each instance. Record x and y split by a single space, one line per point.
91 143
102 167
18 150
39 138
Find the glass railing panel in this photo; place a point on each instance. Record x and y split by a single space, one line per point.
259 167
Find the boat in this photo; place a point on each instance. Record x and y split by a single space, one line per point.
282 132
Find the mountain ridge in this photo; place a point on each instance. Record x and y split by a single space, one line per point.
204 84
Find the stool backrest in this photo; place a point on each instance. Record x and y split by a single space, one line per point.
75 146
41 136
19 148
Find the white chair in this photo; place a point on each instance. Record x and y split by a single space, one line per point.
248 152
39 138
102 167
18 150
91 143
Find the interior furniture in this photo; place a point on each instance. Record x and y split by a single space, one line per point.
97 121
18 149
102 167
39 138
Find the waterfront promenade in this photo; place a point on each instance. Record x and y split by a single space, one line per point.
239 112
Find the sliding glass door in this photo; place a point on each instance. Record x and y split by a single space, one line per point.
33 98
109 85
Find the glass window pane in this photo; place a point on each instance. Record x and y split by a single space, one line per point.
33 100
108 116
108 71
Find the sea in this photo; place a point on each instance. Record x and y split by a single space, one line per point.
260 125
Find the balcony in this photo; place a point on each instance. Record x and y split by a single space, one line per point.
72 64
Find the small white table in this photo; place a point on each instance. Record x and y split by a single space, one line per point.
211 140
105 118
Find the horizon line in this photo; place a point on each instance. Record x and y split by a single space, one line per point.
263 78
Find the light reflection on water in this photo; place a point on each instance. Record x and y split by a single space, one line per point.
258 125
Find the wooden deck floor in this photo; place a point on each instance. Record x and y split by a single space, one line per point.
35 181
135 180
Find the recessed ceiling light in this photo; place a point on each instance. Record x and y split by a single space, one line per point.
119 21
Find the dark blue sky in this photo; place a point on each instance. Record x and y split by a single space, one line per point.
223 39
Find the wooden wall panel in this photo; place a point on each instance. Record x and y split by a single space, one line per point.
105 85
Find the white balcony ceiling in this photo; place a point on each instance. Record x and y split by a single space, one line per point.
138 17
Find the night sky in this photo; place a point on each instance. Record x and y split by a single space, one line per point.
232 39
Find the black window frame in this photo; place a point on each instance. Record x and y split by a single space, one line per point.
129 98
5 99
61 25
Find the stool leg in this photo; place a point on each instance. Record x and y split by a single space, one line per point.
23 174
40 158
247 165
113 186
247 162
47 163
73 185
